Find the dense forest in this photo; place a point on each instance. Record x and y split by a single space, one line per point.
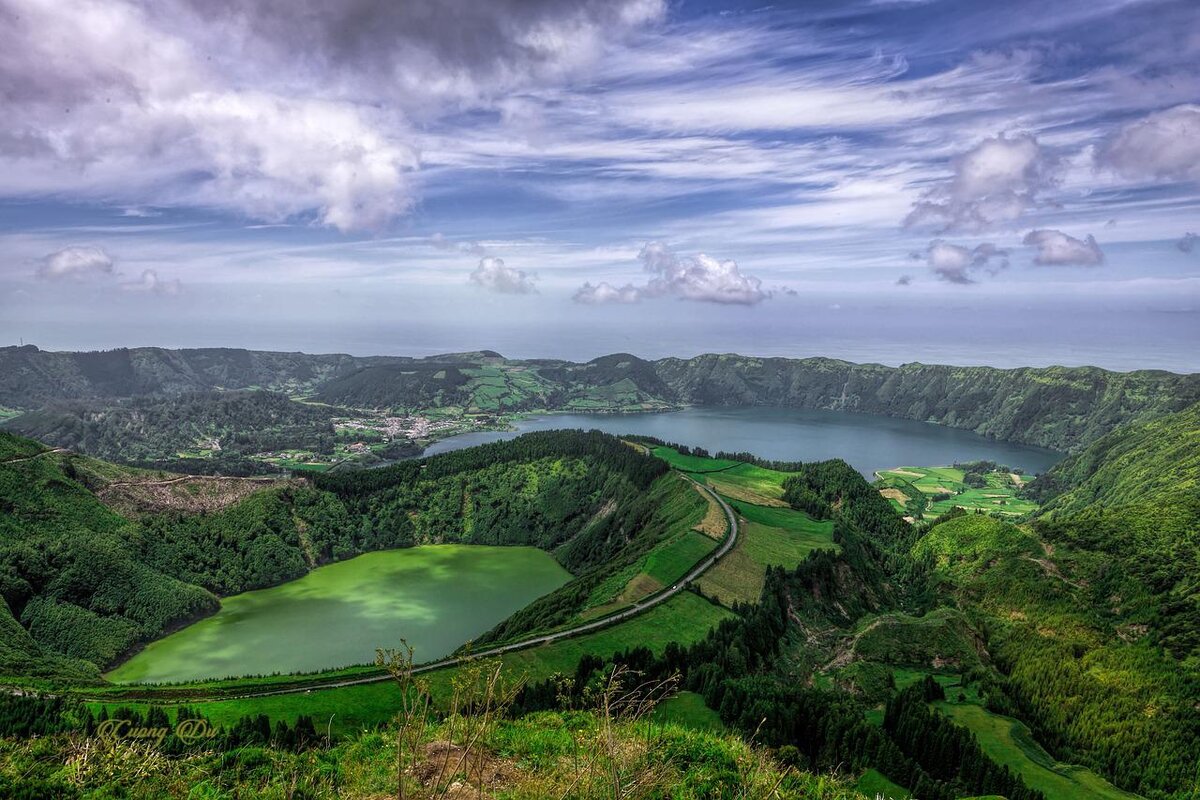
1065 408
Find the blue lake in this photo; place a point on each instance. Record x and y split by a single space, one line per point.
865 441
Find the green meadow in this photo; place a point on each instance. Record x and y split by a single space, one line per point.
768 536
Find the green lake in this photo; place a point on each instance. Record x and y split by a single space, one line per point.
437 597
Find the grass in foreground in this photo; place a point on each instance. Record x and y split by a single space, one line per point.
581 755
874 783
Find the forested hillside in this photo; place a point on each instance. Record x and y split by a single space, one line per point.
150 429
84 582
1063 408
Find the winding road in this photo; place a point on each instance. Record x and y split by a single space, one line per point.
637 608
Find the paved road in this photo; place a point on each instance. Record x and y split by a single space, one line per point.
35 455
637 608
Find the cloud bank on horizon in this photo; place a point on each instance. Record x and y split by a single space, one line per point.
539 152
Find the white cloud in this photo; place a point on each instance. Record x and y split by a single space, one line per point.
150 282
993 183
957 264
604 292
76 263
701 278
1164 145
1055 248
147 103
494 276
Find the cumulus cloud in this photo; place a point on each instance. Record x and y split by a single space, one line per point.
957 264
604 292
698 278
150 283
1188 242
76 264
993 183
494 276
702 278
1055 248
1164 145
139 102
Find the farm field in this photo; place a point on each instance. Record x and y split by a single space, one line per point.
769 537
734 479
929 492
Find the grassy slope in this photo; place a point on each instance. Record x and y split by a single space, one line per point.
533 757
771 533
1009 742
769 537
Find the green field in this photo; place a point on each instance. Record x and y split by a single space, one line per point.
688 709
768 537
668 563
875 784
998 496
1009 742
733 479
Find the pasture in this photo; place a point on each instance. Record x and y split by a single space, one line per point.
939 489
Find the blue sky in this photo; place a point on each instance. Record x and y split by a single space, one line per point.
892 181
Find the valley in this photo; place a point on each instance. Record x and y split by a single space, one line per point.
789 598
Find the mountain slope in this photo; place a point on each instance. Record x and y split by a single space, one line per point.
1064 408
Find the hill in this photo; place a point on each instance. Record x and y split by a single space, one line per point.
1063 408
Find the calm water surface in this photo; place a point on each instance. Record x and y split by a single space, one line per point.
865 441
436 596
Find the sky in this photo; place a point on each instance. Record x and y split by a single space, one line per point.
944 181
